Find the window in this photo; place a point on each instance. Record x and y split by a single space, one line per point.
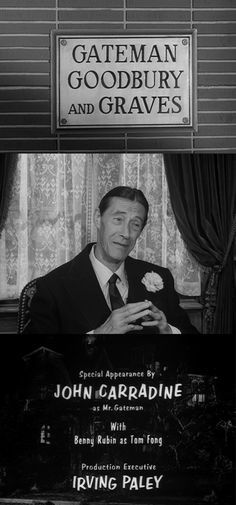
198 399
198 389
45 434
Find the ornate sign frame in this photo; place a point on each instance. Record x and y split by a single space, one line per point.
123 80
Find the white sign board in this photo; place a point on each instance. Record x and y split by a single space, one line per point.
130 80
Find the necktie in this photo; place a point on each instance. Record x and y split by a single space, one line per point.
115 296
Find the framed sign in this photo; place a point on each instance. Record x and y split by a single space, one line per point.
125 80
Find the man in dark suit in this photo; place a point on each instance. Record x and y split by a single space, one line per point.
105 291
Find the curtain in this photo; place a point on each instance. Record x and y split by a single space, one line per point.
50 218
203 196
8 164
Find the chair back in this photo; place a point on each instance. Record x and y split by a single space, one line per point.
25 300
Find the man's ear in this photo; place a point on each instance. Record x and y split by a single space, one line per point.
97 218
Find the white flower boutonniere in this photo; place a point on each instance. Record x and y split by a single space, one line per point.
152 282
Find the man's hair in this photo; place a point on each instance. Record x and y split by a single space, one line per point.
127 192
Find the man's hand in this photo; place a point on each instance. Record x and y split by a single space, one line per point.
123 320
157 319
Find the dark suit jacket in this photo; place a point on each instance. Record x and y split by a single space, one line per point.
69 299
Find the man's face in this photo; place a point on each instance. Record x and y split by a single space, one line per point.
118 229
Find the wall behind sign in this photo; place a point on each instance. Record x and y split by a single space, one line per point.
25 79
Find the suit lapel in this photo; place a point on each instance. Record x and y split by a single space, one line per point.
137 291
85 288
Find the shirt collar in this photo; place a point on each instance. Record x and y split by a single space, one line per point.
104 273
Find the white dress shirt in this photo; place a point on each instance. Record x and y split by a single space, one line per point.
103 275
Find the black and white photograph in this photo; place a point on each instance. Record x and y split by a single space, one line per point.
117 252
